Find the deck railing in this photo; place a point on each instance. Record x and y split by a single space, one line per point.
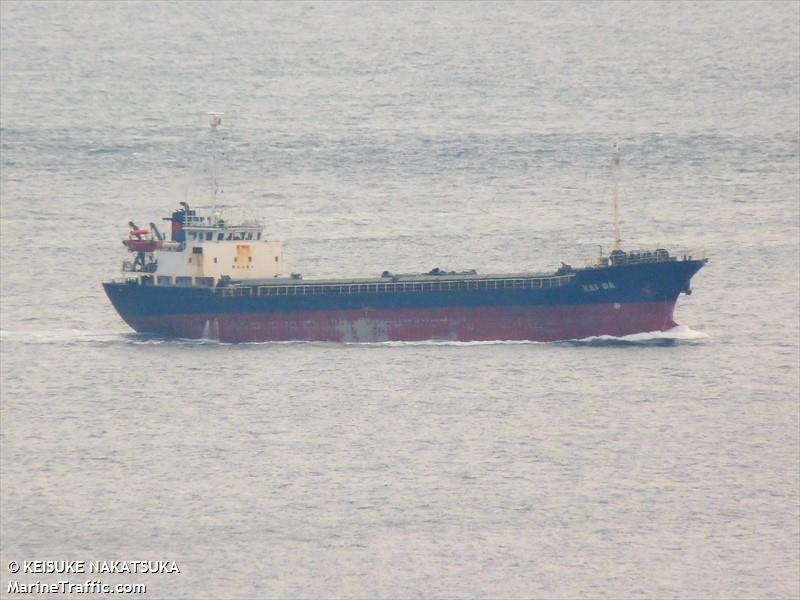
399 287
635 257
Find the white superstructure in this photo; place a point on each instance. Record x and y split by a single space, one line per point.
202 249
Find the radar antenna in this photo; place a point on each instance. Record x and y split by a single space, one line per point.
615 175
214 120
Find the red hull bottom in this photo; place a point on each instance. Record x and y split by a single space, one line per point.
534 323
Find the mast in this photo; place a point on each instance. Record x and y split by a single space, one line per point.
214 119
615 176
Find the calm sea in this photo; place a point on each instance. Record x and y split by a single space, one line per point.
406 136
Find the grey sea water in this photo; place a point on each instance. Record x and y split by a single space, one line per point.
406 136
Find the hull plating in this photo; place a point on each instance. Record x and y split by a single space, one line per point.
539 323
610 301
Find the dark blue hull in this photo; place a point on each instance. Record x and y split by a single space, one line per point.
615 300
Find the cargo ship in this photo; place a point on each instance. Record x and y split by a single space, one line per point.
220 280
225 281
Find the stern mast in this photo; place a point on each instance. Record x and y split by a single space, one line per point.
214 120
